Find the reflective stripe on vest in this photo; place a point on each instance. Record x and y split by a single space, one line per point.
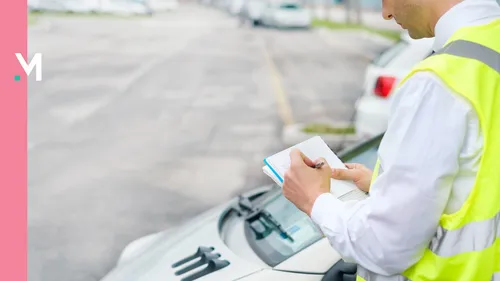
472 50
466 245
475 236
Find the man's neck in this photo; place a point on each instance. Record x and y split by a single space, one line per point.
441 8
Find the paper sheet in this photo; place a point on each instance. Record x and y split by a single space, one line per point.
313 148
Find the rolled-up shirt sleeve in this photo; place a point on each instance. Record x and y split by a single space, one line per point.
388 232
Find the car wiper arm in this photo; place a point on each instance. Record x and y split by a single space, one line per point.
245 204
255 214
270 219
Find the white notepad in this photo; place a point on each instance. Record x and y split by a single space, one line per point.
313 148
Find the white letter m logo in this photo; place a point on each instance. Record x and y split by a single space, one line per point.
35 61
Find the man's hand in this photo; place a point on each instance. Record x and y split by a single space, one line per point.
303 183
359 174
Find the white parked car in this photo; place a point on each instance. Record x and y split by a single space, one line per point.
254 9
163 5
286 15
235 6
381 78
259 236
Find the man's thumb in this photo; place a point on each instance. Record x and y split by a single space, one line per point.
297 157
343 174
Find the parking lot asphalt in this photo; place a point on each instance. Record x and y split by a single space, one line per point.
140 124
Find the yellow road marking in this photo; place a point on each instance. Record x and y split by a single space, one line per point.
281 97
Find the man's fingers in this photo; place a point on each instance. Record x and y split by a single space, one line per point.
319 160
326 167
354 166
344 174
297 158
308 161
350 165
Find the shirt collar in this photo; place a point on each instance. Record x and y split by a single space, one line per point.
466 13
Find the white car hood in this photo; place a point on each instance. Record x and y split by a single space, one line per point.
151 258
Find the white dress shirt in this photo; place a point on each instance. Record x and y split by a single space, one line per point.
429 159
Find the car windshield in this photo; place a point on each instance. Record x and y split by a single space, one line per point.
386 56
274 249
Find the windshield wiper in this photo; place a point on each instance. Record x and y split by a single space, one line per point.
256 214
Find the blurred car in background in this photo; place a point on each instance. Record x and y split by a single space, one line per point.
286 15
235 7
163 5
382 77
254 10
247 238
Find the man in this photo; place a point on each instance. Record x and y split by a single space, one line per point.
434 207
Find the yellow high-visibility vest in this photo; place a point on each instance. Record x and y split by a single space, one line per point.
466 245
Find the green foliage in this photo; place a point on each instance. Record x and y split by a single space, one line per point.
327 129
